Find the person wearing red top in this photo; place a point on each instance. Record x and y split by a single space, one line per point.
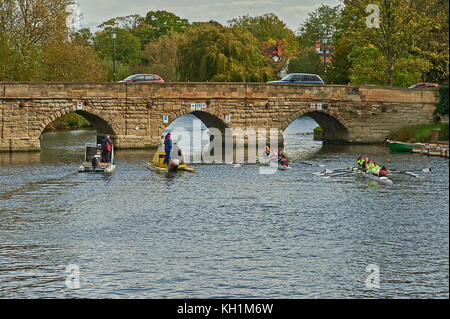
383 171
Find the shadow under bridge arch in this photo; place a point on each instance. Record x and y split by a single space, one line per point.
333 131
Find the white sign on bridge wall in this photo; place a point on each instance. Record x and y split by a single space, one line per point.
165 119
227 118
79 105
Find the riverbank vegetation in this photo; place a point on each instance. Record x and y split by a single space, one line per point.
70 121
39 42
420 133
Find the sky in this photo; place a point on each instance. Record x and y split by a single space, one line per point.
292 12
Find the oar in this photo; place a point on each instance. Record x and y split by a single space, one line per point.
312 164
425 170
340 174
330 171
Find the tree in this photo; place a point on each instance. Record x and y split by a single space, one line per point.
268 28
36 43
128 47
69 61
319 23
134 24
211 53
434 47
161 56
338 71
402 25
163 23
308 61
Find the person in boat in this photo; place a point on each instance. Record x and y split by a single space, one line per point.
167 149
369 167
360 162
282 160
364 166
383 172
273 154
177 154
376 169
266 151
106 149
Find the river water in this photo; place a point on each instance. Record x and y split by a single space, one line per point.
225 231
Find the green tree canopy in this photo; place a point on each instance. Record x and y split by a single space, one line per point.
321 22
308 61
162 57
128 46
211 53
269 28
402 25
163 22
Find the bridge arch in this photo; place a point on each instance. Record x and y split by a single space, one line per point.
209 119
334 128
97 120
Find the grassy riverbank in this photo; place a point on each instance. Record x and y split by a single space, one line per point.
420 133
69 121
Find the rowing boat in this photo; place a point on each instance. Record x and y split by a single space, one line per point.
397 146
380 179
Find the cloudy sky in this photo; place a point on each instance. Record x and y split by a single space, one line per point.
292 12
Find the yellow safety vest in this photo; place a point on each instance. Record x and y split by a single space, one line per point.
376 169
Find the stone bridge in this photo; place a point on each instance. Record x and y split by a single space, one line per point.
136 115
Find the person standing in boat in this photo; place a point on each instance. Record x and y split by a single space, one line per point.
106 149
167 149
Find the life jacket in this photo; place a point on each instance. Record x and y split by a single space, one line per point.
360 163
376 169
369 167
109 146
383 172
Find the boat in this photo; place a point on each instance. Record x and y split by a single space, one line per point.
158 165
92 160
380 179
397 146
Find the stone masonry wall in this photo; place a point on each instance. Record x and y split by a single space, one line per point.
134 112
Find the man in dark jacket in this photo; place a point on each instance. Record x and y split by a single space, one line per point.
167 148
106 149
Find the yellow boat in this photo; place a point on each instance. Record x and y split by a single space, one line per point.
158 166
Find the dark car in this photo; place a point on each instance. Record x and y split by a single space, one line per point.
142 78
423 85
300 78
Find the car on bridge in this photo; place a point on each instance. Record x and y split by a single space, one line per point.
300 78
423 85
143 78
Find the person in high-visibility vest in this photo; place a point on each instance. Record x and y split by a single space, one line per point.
360 162
369 168
376 169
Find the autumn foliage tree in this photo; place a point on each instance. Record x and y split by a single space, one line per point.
35 43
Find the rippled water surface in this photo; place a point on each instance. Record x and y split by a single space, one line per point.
224 231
